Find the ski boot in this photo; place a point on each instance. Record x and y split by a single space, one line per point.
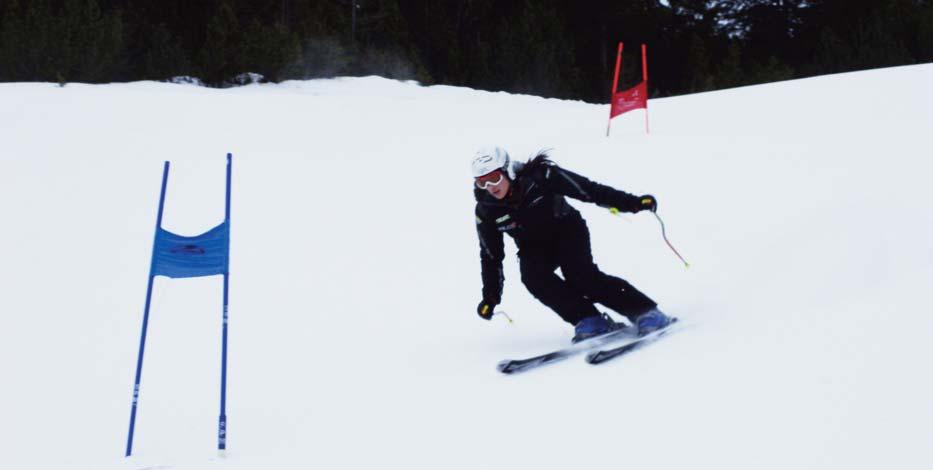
652 320
593 326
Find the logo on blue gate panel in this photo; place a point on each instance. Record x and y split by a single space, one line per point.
188 249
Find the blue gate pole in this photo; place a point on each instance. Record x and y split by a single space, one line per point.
222 426
142 339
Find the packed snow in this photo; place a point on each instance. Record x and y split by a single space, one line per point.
802 206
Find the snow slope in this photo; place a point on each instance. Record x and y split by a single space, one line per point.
803 207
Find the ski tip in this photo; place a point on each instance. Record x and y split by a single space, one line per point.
504 366
598 357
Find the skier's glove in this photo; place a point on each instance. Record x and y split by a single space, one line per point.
485 309
646 202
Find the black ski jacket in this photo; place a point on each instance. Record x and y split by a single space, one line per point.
535 214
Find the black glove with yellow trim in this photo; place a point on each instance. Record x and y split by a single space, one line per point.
647 202
485 309
635 204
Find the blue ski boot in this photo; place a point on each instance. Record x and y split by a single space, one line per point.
652 320
593 326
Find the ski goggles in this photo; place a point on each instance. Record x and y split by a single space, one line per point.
492 179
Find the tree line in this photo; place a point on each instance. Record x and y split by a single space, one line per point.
557 48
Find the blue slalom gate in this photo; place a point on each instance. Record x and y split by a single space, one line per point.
176 256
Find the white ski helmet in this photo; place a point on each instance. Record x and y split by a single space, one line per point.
490 159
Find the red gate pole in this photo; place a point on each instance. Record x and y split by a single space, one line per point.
644 76
615 83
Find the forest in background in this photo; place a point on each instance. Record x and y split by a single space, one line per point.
559 48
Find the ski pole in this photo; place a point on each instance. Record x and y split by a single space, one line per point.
616 211
664 235
506 315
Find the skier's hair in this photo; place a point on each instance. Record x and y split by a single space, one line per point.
539 159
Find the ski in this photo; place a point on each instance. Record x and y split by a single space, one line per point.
511 366
600 355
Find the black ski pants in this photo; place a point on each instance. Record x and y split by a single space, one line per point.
583 283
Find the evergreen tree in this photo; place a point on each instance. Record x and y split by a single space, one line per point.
925 34
70 41
698 65
268 50
729 72
216 59
164 55
91 42
25 41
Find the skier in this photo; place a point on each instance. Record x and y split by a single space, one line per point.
527 202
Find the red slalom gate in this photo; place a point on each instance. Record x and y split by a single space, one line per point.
633 98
